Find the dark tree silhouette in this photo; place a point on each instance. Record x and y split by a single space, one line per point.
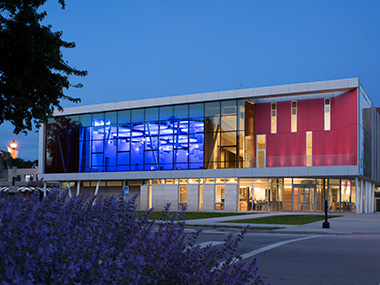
33 73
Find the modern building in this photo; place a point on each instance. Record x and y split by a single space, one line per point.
278 148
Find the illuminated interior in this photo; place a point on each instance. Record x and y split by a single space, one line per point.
176 137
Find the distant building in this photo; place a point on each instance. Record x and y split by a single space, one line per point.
278 148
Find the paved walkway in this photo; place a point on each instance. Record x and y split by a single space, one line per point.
350 223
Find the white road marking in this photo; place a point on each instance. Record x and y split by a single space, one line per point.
204 244
269 247
277 244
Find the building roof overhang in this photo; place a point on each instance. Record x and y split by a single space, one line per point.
311 88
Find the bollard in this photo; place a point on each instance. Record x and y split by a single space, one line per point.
326 224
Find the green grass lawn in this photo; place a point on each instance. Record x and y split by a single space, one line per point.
194 215
286 219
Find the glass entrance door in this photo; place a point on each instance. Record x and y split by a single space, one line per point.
304 197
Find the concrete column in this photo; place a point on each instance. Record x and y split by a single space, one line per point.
192 197
357 195
78 188
144 197
369 197
208 197
373 198
69 187
366 197
361 196
171 195
45 194
96 192
158 197
231 195
97 188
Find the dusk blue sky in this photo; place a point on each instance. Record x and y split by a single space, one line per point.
144 49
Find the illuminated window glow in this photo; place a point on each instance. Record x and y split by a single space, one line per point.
327 115
219 197
260 150
182 196
309 148
274 118
294 116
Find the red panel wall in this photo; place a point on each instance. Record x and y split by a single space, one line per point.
342 139
335 147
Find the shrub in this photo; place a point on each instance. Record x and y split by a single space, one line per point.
75 241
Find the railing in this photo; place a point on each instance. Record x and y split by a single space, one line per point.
301 161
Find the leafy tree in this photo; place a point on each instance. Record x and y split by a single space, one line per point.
33 73
21 163
62 240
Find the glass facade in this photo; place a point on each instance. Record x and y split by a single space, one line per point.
223 134
189 136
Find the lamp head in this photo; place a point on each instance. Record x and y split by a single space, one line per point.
13 144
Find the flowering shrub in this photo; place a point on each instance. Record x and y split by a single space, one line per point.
75 241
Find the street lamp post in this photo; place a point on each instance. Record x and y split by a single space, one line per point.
326 224
13 147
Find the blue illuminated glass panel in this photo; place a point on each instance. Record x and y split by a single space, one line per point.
124 117
137 115
151 114
182 112
166 112
157 138
196 110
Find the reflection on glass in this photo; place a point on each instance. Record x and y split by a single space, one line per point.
181 111
196 110
212 109
154 138
151 114
166 112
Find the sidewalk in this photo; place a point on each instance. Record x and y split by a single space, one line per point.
350 223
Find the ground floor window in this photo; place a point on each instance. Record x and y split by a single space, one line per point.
348 195
219 197
296 194
182 201
275 197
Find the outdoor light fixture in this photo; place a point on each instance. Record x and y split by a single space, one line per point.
13 153
13 144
